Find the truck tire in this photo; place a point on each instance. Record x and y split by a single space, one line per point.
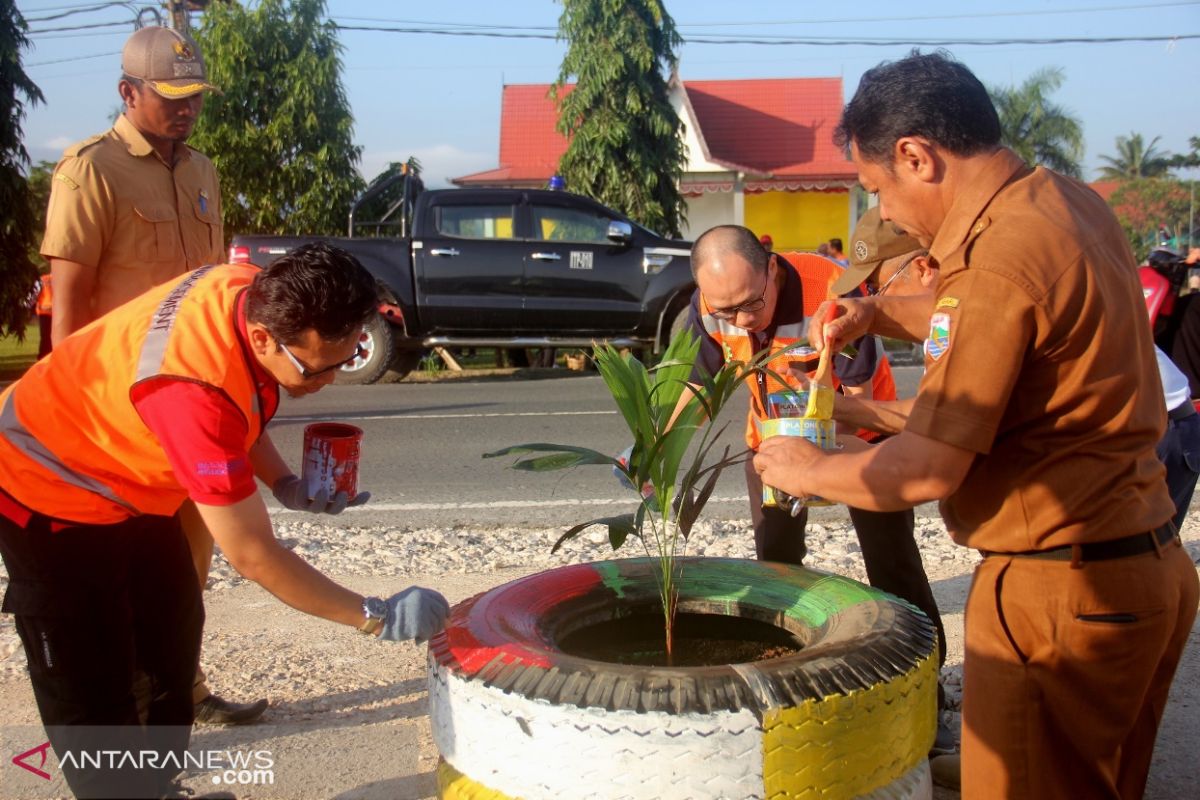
851 714
380 347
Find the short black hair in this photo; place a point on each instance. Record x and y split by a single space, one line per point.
929 95
836 244
730 238
315 287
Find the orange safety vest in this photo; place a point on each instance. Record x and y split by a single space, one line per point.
45 301
816 274
72 445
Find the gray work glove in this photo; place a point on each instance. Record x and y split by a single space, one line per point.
416 613
292 492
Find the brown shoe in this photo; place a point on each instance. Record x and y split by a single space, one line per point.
214 710
947 771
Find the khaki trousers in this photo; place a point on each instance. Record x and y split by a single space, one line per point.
1067 671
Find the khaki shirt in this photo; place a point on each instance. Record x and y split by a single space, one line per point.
117 206
1040 360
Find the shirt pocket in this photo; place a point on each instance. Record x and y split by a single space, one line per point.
202 232
157 233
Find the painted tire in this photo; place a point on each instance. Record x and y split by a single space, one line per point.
850 715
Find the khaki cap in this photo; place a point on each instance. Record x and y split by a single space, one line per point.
874 241
167 60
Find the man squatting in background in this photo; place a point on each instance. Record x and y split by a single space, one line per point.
748 300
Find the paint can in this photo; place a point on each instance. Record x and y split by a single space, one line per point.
821 432
331 458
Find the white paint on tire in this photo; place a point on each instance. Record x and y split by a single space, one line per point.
488 735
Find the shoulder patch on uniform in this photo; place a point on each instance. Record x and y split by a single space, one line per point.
947 302
939 336
58 176
79 147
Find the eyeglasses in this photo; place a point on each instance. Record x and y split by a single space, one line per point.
878 290
309 374
747 307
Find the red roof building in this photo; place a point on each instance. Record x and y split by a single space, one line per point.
760 153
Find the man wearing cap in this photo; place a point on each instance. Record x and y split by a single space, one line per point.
883 260
1034 426
133 208
747 300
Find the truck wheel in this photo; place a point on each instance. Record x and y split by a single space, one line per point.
380 347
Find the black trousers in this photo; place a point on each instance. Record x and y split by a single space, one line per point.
889 550
92 604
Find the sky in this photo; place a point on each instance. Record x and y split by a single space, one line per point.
437 97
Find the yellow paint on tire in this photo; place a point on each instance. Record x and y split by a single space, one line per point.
453 785
849 745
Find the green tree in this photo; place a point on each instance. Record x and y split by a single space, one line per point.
1191 159
1038 130
1142 205
626 145
18 220
1135 159
280 134
39 179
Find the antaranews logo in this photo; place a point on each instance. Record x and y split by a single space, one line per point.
40 750
229 767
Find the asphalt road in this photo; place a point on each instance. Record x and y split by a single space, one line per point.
423 446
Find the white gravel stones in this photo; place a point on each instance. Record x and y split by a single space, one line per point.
338 549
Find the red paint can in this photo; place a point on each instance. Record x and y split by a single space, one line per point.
331 458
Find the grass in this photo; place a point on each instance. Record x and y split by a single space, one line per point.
15 356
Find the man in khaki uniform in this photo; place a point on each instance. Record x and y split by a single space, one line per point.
133 208
1034 425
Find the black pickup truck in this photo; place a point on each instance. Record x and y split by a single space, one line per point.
504 268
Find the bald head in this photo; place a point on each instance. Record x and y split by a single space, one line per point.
711 249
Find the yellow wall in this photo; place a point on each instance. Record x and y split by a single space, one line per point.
799 220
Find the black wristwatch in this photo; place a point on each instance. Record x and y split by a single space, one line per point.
374 615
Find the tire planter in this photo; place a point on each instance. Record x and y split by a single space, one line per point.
852 714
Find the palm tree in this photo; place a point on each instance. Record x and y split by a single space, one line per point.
1039 131
1135 159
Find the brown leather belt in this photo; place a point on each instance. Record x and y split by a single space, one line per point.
1127 546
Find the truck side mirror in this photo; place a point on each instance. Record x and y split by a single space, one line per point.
621 232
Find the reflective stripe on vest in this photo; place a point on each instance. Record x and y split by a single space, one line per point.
12 429
154 346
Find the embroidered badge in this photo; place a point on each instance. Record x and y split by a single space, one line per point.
203 202
947 302
861 250
182 51
939 336
58 176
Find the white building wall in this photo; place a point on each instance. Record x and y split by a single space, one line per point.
708 210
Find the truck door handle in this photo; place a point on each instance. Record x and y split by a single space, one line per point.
443 251
547 256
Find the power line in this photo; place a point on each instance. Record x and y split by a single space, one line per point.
92 26
935 17
73 58
79 10
915 42
781 40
